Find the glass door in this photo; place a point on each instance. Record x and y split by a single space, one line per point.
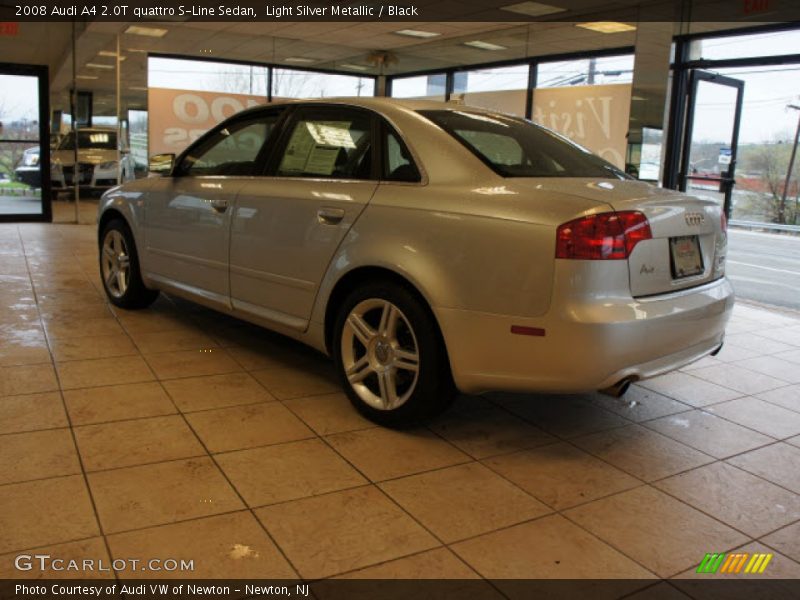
24 147
711 136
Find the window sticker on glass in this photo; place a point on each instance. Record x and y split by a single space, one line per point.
315 147
332 134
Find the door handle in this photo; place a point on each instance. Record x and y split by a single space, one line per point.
330 216
219 205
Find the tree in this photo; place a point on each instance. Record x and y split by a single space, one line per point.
770 162
11 153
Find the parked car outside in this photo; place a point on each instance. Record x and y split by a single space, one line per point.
427 248
28 170
98 167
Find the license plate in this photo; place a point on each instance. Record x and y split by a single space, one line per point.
686 257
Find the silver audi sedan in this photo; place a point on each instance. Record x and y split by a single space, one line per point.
427 248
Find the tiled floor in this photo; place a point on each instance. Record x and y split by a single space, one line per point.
176 432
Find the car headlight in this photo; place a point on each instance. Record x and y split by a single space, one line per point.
107 166
32 161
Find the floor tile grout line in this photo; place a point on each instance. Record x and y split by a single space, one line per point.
411 555
75 446
59 543
644 482
406 511
230 483
676 440
730 420
750 536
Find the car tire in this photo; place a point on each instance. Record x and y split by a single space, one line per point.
390 356
119 268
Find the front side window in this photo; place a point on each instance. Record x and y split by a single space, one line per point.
232 150
514 147
331 144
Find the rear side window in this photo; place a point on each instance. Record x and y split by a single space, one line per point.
513 147
398 165
332 144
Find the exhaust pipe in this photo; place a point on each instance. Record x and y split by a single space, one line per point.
715 352
618 389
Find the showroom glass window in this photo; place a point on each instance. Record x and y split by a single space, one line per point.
291 83
207 76
332 144
428 87
501 88
585 71
231 150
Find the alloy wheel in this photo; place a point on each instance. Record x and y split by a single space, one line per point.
380 354
116 263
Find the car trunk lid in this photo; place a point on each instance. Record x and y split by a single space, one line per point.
688 243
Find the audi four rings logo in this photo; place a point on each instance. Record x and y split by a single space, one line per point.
695 218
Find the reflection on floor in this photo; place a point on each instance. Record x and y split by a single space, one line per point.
64 211
175 431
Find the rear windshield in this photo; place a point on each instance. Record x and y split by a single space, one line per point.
514 147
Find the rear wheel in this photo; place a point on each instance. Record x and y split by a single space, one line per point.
119 268
390 357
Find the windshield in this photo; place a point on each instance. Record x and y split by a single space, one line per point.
514 147
90 140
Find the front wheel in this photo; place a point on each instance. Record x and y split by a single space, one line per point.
119 268
390 357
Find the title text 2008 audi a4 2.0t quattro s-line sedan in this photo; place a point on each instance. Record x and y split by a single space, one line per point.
426 247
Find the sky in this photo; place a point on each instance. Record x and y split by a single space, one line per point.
19 97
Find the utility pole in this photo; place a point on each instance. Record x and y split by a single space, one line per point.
789 169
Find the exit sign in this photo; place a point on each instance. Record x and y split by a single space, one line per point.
9 28
755 6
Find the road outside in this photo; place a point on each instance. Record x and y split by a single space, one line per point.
765 267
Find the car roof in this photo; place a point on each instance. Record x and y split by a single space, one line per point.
378 104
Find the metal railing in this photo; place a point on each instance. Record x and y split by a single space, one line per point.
767 226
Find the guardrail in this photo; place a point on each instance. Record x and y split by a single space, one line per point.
767 226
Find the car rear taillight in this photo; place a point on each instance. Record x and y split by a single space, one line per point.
723 221
603 236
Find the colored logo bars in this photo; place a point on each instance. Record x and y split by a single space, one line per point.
740 562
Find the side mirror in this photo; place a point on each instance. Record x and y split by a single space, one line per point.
161 164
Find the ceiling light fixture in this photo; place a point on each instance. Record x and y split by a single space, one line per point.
417 33
99 66
139 50
299 59
86 77
138 88
533 9
484 45
607 26
146 31
354 67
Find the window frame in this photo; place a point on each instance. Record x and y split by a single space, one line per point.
306 111
253 114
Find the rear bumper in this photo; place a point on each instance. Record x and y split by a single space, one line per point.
589 343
